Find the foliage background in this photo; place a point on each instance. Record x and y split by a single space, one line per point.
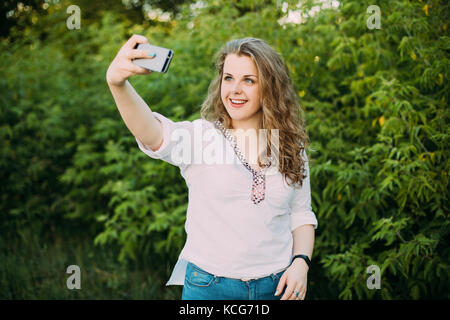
76 189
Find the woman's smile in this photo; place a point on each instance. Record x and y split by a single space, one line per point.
237 103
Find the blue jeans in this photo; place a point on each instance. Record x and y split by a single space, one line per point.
201 285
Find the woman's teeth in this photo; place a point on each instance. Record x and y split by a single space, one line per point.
238 101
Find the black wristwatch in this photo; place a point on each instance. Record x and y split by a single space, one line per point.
304 257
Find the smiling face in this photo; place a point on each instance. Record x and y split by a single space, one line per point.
240 82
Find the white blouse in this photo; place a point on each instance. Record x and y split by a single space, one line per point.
227 234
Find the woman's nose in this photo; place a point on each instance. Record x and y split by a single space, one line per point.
236 87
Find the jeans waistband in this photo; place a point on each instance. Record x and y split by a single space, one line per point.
245 278
265 276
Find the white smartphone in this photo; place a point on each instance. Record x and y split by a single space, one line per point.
160 63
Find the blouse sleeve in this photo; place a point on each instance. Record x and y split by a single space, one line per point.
301 211
177 142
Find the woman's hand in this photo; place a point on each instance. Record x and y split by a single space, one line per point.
122 67
295 277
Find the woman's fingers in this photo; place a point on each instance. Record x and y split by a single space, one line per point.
293 295
295 288
141 70
134 69
281 284
137 54
301 293
122 67
288 292
292 290
135 39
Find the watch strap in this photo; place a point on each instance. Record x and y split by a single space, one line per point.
304 257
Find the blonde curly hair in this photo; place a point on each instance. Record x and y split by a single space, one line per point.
280 104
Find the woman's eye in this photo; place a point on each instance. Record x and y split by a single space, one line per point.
251 81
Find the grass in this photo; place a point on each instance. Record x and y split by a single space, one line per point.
33 268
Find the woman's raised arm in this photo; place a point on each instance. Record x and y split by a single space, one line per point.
136 114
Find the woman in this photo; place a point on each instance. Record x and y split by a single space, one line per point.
250 234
